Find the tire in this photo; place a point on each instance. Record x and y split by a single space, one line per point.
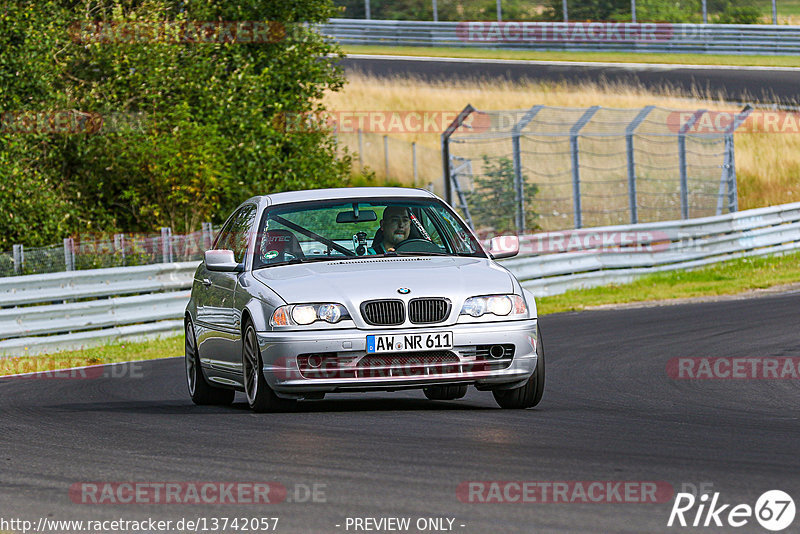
529 394
445 392
200 390
260 396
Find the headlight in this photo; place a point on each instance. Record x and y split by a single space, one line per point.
305 314
500 305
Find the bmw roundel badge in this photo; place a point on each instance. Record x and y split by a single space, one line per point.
404 291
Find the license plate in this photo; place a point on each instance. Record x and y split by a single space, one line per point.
409 342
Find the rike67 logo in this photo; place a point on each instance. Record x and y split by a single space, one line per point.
774 510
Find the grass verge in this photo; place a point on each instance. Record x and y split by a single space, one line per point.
110 353
603 57
727 278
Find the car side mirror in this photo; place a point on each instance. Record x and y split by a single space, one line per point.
504 246
222 260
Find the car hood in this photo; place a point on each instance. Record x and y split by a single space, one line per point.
351 282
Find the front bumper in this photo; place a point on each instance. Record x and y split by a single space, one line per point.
280 350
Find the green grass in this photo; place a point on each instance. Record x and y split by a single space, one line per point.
726 278
617 57
110 353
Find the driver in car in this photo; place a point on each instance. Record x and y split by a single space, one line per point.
395 227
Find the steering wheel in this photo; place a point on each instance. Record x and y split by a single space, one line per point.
417 245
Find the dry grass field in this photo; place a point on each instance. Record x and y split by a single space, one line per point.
767 164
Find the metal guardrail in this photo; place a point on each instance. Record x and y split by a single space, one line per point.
589 36
89 307
80 308
626 252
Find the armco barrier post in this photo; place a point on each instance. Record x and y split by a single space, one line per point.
576 172
682 162
629 131
519 184
19 258
166 244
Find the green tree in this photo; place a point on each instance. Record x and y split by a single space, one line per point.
190 129
492 204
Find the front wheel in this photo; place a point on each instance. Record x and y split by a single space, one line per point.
260 396
201 392
529 394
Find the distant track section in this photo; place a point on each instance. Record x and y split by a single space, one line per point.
736 84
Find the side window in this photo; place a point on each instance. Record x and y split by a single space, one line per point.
236 233
241 232
224 235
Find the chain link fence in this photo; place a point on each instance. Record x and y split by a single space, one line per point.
554 168
392 159
117 250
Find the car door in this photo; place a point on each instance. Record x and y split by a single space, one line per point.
216 311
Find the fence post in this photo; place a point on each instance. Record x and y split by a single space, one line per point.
730 161
629 131
386 155
576 173
414 161
208 235
519 184
69 254
360 150
682 162
19 258
733 196
448 186
119 246
166 244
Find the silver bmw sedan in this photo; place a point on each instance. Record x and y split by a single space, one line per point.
358 289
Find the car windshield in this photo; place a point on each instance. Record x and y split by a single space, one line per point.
325 230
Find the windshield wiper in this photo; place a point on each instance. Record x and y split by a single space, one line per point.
295 261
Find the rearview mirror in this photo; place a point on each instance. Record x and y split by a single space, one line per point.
222 260
504 246
351 217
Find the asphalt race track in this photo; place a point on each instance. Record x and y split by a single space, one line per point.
610 413
734 84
